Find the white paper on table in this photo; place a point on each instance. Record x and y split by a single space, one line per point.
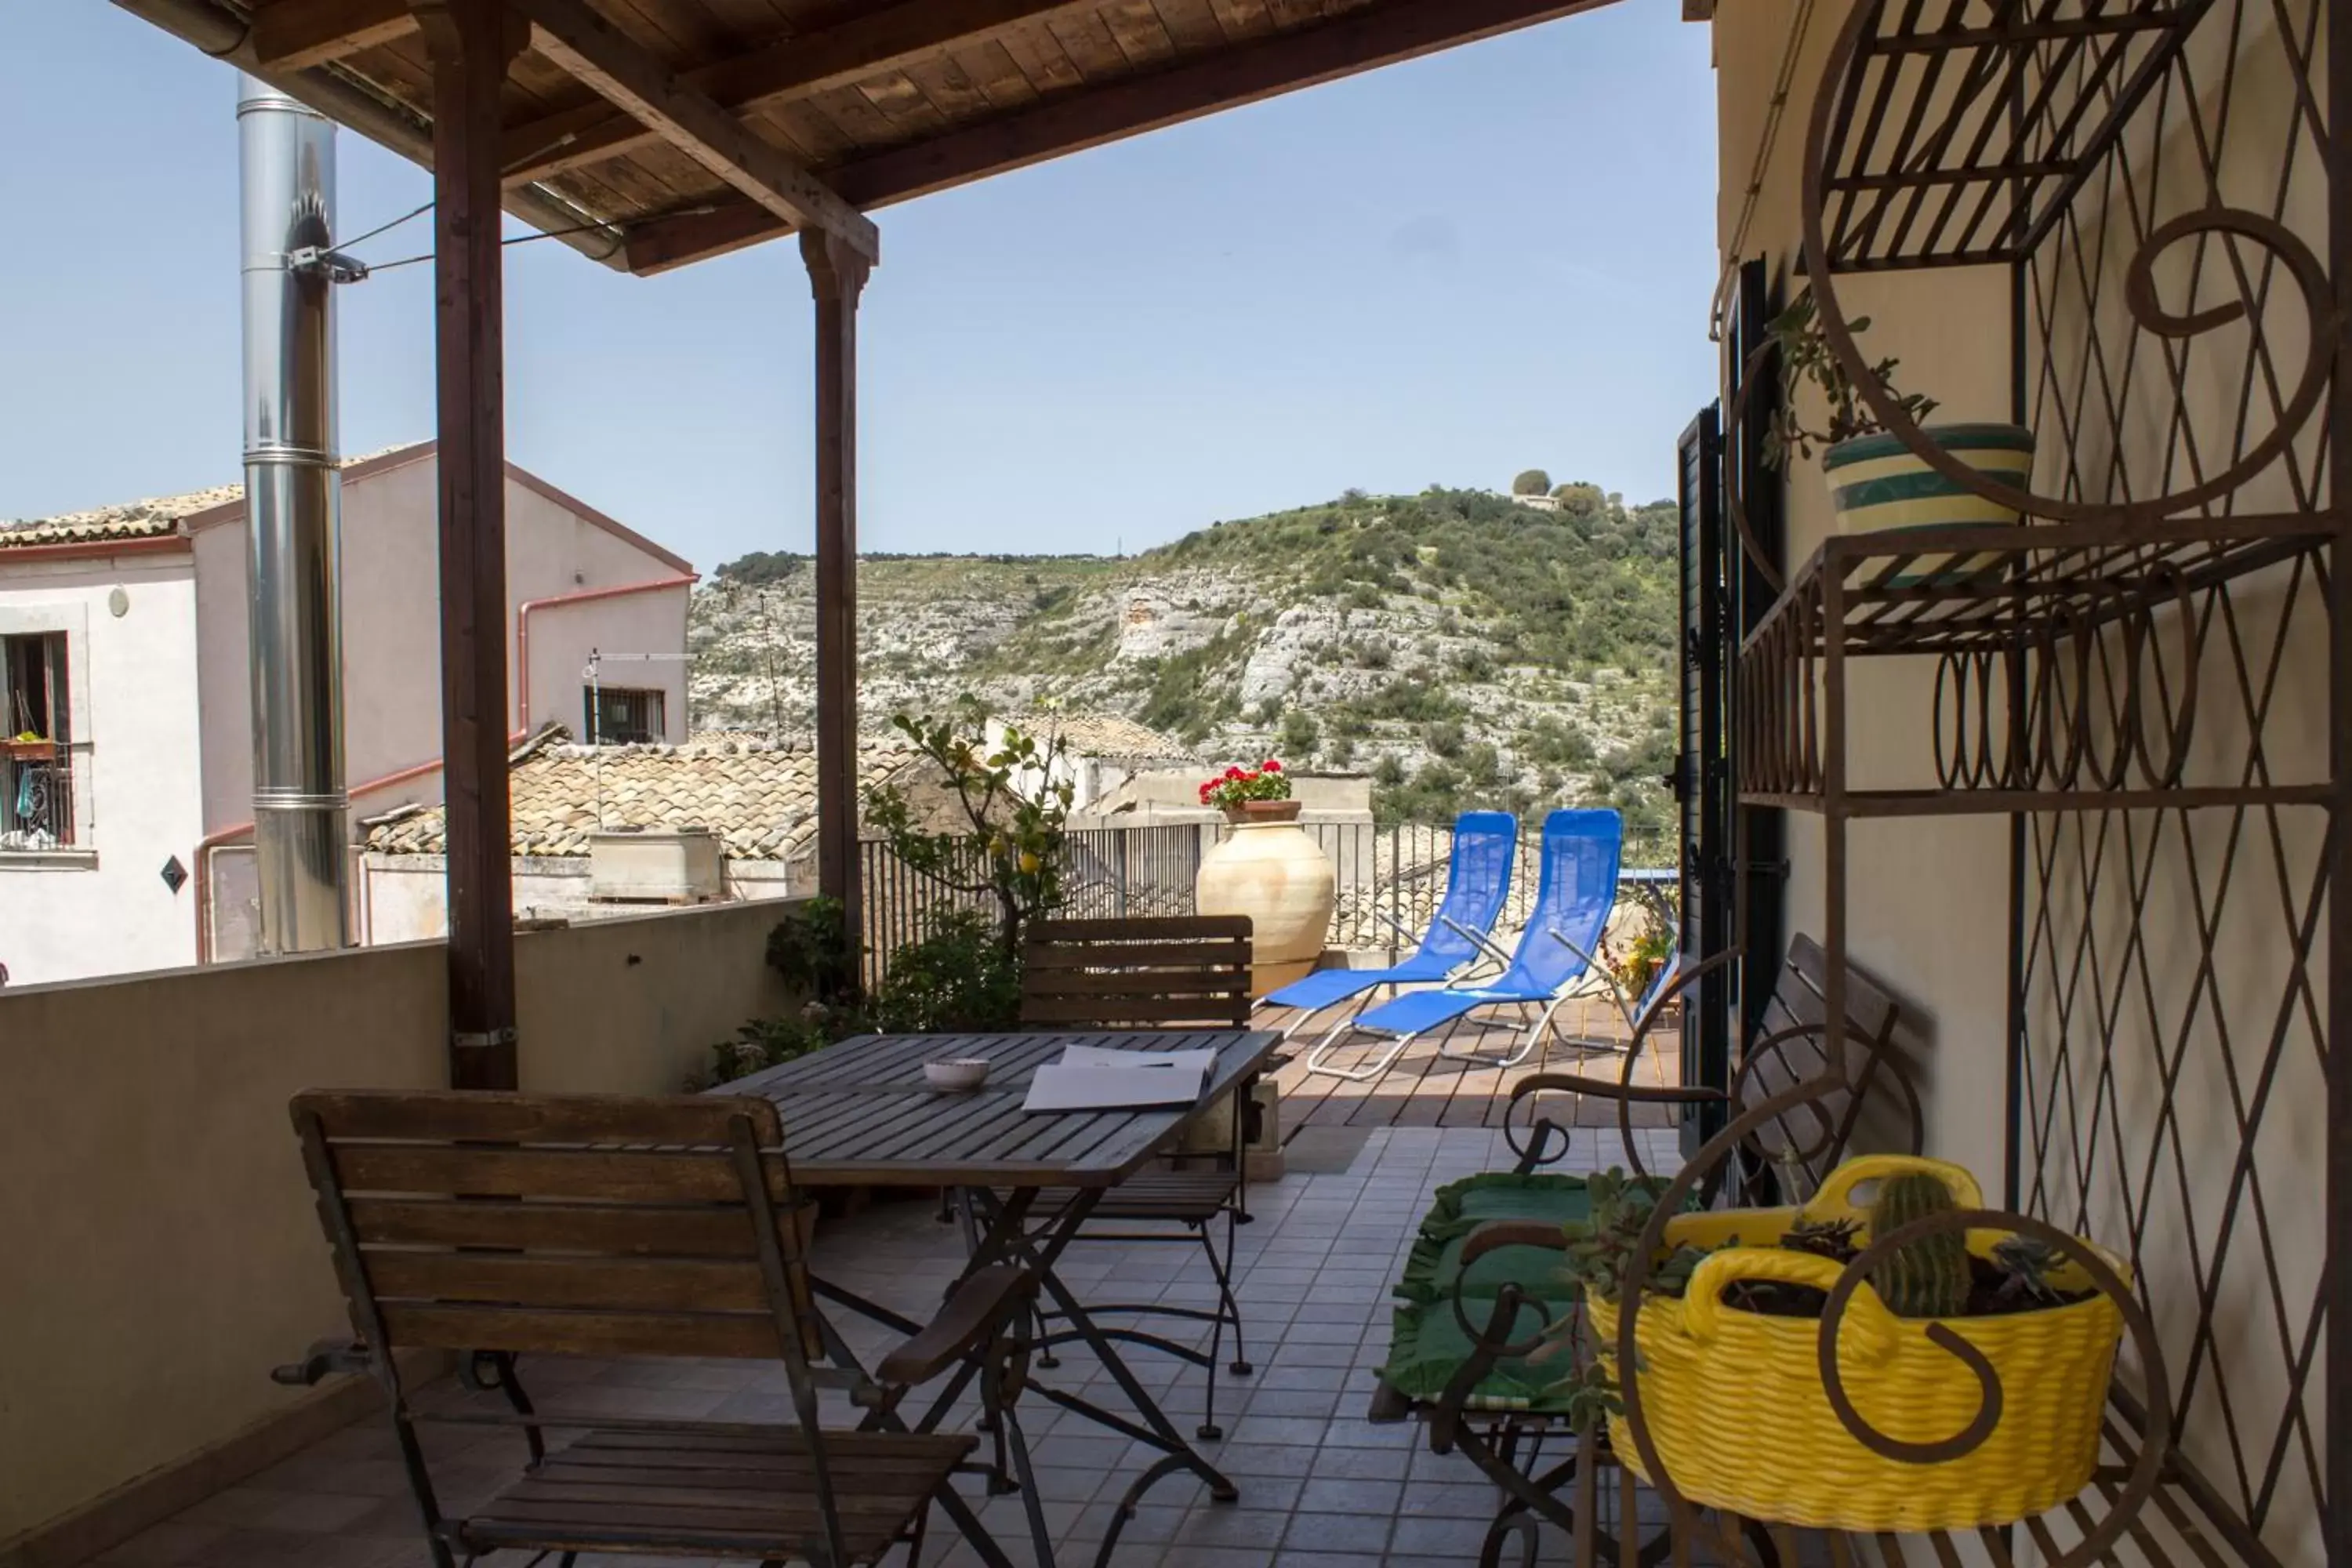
1201 1062
1067 1087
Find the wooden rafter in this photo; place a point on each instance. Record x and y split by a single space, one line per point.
295 34
576 38
888 39
1359 40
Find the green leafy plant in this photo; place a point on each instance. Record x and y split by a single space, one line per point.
1015 801
1806 357
1531 482
956 978
1235 784
1600 1248
1599 1252
812 949
765 1043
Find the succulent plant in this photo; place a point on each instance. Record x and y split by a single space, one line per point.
1929 1276
1839 1240
2026 1266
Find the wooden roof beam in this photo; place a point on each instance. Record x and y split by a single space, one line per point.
295 34
576 38
1359 40
889 39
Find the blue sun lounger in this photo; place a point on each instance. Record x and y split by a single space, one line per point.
1578 888
1477 881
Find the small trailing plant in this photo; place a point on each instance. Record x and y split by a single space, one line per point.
764 1043
1805 357
1015 801
1229 789
1600 1248
811 950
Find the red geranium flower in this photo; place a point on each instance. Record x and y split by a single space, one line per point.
1272 766
1233 773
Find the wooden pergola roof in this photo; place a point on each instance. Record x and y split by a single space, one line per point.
651 134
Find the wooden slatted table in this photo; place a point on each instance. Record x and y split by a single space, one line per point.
859 1114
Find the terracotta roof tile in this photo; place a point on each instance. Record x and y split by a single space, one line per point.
148 519
132 520
759 795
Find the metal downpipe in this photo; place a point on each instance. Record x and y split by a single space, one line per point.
294 521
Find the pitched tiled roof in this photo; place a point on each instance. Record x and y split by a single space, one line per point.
132 520
148 519
758 795
1103 735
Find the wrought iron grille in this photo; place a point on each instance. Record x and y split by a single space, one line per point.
2149 679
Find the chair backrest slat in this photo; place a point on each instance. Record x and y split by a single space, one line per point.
1826 1131
1477 884
1575 890
621 1225
1188 971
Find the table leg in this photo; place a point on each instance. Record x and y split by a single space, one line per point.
1004 1232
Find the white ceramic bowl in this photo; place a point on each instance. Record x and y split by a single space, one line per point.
958 1075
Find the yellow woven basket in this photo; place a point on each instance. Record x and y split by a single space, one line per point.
1734 1399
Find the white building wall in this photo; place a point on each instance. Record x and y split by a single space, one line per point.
103 906
392 658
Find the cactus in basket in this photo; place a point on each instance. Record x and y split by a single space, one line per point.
1928 1277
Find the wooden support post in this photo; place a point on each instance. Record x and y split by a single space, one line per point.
837 274
471 43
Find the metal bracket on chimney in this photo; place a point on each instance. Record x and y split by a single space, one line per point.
338 267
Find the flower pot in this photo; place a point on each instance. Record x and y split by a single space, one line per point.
1269 869
28 750
1879 485
1734 1399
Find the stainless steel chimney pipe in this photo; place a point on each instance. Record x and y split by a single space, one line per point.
285 160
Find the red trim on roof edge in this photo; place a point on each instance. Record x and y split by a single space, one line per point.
401 457
587 513
95 548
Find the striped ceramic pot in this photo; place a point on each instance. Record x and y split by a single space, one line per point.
1877 483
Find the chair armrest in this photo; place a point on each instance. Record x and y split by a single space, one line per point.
1478 939
1496 1234
324 1359
971 1316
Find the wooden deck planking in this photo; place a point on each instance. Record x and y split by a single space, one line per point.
1422 1089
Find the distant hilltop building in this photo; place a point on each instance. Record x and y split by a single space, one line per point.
126 775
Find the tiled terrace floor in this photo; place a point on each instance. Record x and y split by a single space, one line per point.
1320 1486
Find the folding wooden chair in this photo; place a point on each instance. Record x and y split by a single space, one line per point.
1172 974
502 1225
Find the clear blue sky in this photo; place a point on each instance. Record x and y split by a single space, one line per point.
1443 272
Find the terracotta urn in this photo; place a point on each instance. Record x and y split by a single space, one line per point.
1268 867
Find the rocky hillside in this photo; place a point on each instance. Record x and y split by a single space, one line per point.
1463 649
